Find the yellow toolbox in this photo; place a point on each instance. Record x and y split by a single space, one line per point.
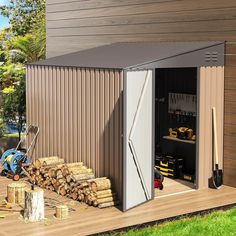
169 166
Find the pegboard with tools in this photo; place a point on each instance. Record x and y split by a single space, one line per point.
183 104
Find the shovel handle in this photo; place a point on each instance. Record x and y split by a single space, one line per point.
215 135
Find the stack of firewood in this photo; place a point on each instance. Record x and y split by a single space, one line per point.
73 180
96 192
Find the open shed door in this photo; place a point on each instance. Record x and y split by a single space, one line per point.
138 138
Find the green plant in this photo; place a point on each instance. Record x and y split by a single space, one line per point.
26 49
4 37
23 15
2 127
24 41
14 101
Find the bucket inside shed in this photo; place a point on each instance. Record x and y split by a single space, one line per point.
175 130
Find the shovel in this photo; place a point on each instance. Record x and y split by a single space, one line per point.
217 175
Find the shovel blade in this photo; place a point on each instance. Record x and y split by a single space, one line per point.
218 178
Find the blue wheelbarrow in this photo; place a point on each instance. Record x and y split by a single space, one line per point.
15 160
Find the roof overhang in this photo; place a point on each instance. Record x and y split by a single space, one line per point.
143 55
210 56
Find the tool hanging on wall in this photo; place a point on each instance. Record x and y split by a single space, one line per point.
182 104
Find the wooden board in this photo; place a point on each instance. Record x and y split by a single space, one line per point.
81 221
179 140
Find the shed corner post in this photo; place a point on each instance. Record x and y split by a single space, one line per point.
124 203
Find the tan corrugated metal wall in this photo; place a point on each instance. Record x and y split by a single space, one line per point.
79 112
211 91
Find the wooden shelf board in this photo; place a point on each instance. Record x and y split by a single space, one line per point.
179 140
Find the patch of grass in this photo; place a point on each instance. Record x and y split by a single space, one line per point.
15 135
219 223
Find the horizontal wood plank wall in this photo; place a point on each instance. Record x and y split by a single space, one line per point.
230 116
92 23
76 25
79 112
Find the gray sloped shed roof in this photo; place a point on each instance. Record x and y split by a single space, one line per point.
126 55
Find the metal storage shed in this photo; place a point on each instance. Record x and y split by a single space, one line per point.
96 106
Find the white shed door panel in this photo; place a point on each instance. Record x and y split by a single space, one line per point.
138 138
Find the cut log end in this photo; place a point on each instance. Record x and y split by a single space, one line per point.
100 184
16 193
62 212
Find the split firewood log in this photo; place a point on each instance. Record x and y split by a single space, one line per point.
60 181
52 172
102 192
74 184
45 175
65 171
81 197
74 164
62 190
74 195
100 184
77 168
97 179
90 203
68 178
83 185
59 176
53 161
94 198
103 200
39 162
82 177
81 171
108 204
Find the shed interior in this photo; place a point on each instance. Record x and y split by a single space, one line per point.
175 129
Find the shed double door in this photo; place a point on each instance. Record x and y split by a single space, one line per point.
138 138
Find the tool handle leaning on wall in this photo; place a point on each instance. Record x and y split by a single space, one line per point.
217 175
215 136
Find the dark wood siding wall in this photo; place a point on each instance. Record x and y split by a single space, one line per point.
74 25
230 115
